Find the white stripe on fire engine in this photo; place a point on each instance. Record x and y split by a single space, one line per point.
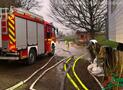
12 21
11 25
11 31
11 38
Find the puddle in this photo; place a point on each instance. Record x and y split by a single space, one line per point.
62 49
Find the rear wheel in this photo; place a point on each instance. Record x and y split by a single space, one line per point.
32 57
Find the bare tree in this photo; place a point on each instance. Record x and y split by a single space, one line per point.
26 4
80 14
29 4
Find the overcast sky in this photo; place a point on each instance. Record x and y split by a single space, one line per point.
44 11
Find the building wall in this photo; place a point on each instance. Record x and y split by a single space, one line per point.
83 37
115 20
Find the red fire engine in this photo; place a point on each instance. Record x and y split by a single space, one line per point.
24 34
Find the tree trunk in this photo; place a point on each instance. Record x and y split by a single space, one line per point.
92 31
92 35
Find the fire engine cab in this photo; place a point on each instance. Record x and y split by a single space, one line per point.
24 34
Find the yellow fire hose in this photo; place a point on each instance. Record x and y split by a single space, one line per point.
69 77
73 70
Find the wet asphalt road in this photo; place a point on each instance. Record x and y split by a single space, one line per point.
13 72
53 79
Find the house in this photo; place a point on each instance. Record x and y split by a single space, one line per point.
83 36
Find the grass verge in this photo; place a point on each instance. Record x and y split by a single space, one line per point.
103 41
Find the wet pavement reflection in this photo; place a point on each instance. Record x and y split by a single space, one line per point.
54 78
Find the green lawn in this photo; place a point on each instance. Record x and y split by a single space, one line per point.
103 41
69 38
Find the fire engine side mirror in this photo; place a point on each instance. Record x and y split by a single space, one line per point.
57 31
48 34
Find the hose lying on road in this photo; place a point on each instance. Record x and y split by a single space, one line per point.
99 83
95 69
73 70
34 73
71 80
64 76
68 75
33 84
24 81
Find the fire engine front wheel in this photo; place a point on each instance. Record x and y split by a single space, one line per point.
32 57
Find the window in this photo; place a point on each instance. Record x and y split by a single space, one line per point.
113 5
